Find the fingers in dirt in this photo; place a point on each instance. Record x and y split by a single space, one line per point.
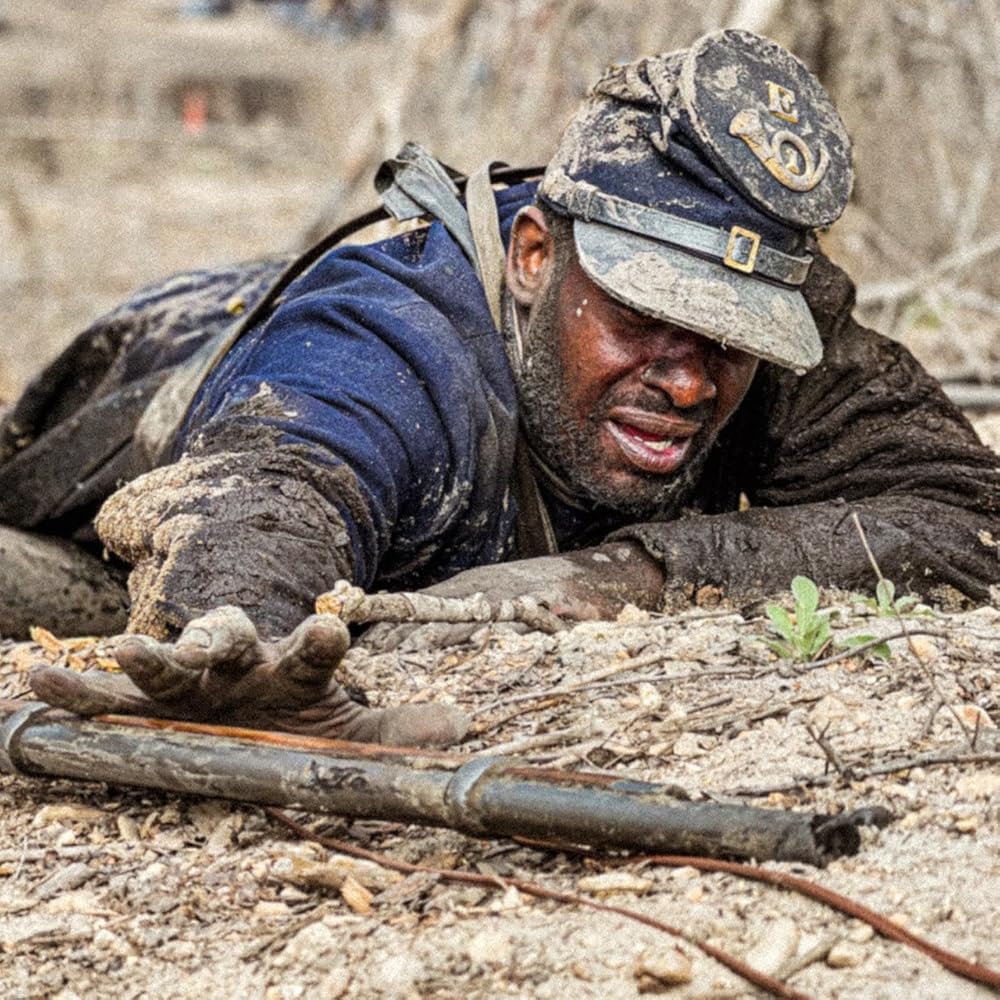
154 668
309 656
422 726
339 718
92 693
224 640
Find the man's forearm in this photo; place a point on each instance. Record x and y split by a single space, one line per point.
254 531
922 545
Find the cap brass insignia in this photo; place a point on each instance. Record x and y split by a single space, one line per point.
781 102
785 155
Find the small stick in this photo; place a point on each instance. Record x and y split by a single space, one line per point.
773 986
831 755
891 766
925 668
354 606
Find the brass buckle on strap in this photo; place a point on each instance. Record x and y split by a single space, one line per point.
737 255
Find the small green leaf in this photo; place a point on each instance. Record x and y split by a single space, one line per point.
881 651
885 591
850 641
781 620
806 594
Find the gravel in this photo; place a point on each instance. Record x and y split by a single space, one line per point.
107 891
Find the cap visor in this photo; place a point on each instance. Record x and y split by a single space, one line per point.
765 319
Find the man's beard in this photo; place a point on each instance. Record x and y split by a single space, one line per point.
571 450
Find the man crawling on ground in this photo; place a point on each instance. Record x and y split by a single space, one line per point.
634 378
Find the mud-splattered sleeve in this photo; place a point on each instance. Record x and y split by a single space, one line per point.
868 433
339 439
237 527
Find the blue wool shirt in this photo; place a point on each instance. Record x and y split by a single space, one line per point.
384 358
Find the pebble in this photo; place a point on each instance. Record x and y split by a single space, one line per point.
64 880
66 813
76 901
333 986
778 943
975 717
268 909
612 883
649 698
221 838
845 955
206 816
174 950
128 829
490 947
510 900
685 873
687 745
357 897
105 940
658 971
967 824
286 991
289 894
924 648
631 615
861 934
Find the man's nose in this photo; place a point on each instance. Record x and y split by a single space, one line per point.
683 374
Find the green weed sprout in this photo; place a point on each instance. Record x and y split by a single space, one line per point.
804 635
887 605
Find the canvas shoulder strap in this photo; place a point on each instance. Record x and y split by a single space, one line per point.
413 184
535 535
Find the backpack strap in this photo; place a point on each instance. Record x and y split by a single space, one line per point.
485 225
413 184
534 534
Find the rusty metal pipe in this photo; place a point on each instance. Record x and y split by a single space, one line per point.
477 795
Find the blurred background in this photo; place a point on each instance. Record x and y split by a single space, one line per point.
140 137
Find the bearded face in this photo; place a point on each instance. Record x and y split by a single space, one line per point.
622 406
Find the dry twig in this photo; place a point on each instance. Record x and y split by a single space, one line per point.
354 606
925 668
773 986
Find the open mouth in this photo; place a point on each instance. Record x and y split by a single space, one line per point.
650 442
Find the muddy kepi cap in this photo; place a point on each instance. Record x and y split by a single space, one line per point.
694 179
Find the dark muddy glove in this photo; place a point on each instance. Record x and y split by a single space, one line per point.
219 671
584 585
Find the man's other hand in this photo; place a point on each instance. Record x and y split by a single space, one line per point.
219 671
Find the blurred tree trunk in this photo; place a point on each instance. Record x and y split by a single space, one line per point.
916 83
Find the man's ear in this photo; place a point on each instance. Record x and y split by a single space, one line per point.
529 255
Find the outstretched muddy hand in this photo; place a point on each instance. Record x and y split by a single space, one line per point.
219 670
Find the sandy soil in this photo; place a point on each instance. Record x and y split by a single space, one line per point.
111 892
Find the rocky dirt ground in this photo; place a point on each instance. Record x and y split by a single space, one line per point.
106 891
